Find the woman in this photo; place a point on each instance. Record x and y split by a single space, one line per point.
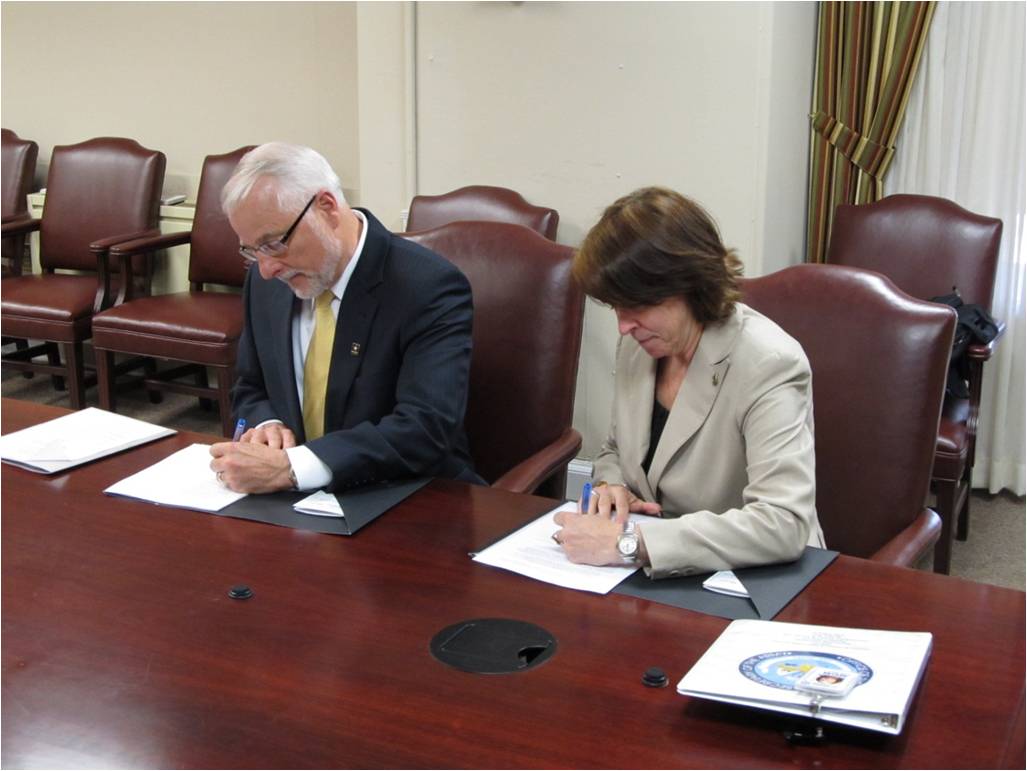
712 429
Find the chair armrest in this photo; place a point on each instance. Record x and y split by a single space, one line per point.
905 549
17 227
101 250
151 244
104 244
983 351
527 475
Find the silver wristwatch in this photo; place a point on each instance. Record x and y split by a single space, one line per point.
628 543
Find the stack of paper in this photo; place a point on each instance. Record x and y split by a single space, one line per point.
759 664
182 479
76 438
532 552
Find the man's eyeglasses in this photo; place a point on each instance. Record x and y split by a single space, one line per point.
276 247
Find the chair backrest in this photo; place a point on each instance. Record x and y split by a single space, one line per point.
97 189
926 245
18 164
528 315
481 203
879 359
214 247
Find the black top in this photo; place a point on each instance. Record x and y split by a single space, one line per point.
660 414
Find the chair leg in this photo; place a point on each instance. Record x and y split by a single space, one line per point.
963 524
22 345
202 382
155 395
76 377
945 506
53 355
105 379
226 379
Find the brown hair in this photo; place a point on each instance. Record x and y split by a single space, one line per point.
653 244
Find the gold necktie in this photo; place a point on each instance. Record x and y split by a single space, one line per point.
316 366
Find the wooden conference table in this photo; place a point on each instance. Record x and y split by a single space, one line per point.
122 648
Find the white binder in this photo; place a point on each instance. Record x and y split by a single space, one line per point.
758 664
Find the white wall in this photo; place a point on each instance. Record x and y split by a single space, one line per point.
386 108
788 30
572 104
186 78
575 104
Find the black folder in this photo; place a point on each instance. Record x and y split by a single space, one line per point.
359 506
770 587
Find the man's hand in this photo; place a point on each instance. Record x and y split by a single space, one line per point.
588 539
248 467
273 435
608 500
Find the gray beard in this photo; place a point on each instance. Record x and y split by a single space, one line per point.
321 280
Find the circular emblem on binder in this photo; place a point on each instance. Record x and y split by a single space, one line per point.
783 669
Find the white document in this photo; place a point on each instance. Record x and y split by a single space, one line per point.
531 551
725 582
320 504
76 438
758 663
183 479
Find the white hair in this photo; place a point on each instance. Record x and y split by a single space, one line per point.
296 172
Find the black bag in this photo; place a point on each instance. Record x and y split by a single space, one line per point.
973 324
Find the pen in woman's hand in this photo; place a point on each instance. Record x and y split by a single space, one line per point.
586 497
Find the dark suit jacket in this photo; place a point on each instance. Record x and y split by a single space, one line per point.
397 388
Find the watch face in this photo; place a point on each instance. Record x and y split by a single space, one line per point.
627 545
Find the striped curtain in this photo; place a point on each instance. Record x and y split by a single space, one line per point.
867 56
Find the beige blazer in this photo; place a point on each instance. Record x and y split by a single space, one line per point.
734 468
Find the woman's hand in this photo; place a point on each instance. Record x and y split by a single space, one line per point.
587 538
591 539
617 501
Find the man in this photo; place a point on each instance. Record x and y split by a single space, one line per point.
355 353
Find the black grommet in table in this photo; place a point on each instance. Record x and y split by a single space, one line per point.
240 592
654 677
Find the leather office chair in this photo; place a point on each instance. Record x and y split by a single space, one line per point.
18 171
99 193
528 314
481 203
199 327
927 245
879 360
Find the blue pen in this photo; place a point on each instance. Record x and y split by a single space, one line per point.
240 429
586 497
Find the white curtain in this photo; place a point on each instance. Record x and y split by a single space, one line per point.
963 139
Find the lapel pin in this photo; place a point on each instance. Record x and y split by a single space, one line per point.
354 349
716 378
